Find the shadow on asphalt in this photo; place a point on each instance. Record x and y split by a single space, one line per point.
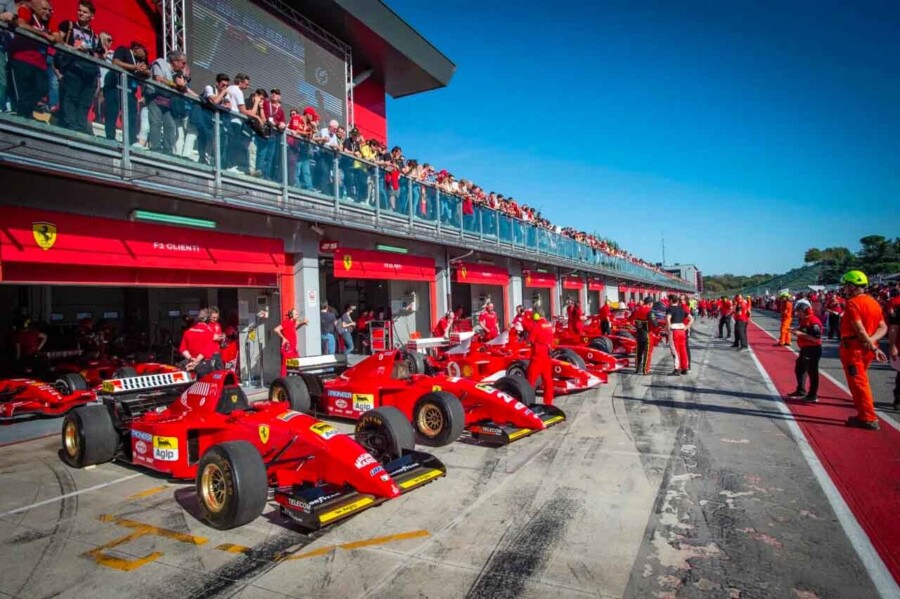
774 415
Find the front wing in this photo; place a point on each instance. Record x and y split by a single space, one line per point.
495 434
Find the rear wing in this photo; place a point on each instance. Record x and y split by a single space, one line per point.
146 383
421 345
461 337
319 365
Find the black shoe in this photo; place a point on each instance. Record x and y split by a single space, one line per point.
811 399
855 422
797 393
896 405
675 373
684 371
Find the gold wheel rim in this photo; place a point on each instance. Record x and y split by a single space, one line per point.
278 394
431 420
71 440
212 485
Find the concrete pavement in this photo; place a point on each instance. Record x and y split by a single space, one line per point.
655 486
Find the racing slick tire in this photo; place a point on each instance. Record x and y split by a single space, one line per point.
567 355
625 334
518 369
72 382
518 387
89 437
232 485
439 418
414 360
604 344
292 390
125 372
385 433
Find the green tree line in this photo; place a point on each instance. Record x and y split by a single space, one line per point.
878 255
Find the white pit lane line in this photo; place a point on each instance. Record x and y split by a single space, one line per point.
25 508
839 384
872 562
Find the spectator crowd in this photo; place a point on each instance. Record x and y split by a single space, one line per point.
165 114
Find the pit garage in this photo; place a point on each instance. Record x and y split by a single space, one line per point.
129 289
596 295
540 287
398 288
474 284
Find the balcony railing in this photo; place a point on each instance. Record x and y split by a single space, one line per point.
281 173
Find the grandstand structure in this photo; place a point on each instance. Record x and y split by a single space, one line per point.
93 225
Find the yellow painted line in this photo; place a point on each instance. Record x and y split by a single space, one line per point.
308 554
415 534
554 420
520 433
162 532
231 548
420 479
345 509
99 555
146 493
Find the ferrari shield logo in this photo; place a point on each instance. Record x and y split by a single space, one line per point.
528 280
462 272
44 235
264 433
348 261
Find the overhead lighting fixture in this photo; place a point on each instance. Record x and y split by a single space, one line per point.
392 249
172 219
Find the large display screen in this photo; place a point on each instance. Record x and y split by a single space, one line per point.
237 36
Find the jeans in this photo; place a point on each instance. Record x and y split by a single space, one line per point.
265 153
808 365
303 176
3 79
31 85
238 145
348 342
162 128
329 344
77 90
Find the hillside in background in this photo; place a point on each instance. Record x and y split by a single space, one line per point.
796 280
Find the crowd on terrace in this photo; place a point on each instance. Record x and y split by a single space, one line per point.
167 115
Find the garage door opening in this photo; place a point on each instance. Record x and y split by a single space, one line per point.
473 285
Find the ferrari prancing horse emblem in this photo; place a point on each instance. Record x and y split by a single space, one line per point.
348 261
44 234
264 433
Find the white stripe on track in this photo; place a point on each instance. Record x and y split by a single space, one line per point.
838 383
881 577
67 495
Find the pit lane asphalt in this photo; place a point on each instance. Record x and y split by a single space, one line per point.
656 486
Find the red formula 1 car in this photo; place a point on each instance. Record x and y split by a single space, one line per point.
620 342
439 407
587 357
238 453
29 397
487 362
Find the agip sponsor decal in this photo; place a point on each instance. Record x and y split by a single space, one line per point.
165 449
363 402
326 431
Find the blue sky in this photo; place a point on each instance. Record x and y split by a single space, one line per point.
747 132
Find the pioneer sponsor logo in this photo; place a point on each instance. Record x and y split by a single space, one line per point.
142 436
364 460
340 394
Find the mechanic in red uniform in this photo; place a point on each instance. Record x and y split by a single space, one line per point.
834 307
603 314
518 318
862 326
197 345
287 330
540 365
576 317
741 320
445 325
725 311
29 342
488 321
809 339
643 321
678 320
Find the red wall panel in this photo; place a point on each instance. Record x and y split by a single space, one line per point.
125 20
370 109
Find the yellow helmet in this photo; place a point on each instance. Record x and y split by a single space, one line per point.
856 277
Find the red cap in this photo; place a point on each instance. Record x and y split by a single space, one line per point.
312 112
